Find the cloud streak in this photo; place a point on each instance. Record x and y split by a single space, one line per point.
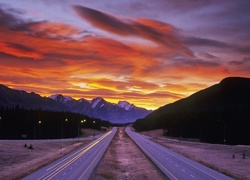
155 31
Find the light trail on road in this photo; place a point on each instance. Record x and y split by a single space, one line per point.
77 165
173 165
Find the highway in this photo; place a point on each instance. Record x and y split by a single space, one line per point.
77 165
173 165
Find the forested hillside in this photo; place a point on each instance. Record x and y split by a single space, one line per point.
218 114
17 123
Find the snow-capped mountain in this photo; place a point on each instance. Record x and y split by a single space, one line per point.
97 102
60 98
125 105
122 112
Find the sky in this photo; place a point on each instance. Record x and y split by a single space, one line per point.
149 53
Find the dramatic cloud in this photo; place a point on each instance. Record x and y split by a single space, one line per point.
149 54
195 41
155 31
54 30
19 50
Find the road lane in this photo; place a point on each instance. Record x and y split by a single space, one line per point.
172 164
77 165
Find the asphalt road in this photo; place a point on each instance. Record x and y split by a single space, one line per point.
77 165
173 165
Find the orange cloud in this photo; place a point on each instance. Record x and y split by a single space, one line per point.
54 30
19 50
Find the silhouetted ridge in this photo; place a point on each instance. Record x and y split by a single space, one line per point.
97 107
206 113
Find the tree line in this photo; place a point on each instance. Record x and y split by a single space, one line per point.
18 123
227 126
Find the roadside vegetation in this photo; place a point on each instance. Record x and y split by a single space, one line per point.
232 160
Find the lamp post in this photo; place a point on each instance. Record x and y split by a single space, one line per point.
34 130
39 129
224 131
66 120
35 124
78 128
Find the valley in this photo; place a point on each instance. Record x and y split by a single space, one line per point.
123 159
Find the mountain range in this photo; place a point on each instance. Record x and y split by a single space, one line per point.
123 112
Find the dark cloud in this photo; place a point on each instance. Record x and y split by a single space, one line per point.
244 61
71 56
242 66
207 55
178 6
155 31
245 50
195 63
196 41
19 50
21 47
105 21
10 18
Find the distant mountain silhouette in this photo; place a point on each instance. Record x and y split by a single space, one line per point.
11 98
218 114
123 112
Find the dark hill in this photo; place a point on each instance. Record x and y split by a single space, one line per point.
220 113
11 98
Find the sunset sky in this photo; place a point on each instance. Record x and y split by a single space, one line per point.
149 53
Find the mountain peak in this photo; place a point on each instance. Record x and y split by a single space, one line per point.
235 81
125 105
60 98
96 101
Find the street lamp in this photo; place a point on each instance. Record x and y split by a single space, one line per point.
224 131
66 120
39 122
39 129
78 128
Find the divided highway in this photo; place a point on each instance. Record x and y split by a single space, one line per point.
77 165
173 165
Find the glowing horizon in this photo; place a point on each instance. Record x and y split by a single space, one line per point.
147 54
